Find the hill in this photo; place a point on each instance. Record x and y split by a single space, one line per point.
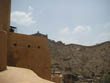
77 59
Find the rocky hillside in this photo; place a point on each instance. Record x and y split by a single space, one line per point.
84 60
77 59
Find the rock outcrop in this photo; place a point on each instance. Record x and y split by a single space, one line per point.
77 59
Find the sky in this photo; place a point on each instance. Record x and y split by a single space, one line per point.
84 22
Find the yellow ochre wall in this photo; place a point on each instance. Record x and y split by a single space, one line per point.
3 50
23 50
5 6
29 52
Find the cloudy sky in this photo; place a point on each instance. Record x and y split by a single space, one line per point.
85 22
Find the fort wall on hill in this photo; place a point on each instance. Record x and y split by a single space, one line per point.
29 52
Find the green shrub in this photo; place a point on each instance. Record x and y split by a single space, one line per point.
107 79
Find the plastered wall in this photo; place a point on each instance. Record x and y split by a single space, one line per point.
23 50
3 50
5 6
29 52
4 26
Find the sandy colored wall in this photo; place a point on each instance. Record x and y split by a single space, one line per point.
3 50
5 14
5 6
29 52
23 51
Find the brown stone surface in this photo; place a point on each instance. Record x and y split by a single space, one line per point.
86 61
3 50
4 26
29 52
20 75
5 14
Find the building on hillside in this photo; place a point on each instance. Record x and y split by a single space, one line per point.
40 35
56 77
13 29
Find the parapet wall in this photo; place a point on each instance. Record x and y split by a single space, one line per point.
29 52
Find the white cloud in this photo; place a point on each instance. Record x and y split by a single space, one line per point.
65 34
22 18
80 29
75 35
65 31
30 8
85 35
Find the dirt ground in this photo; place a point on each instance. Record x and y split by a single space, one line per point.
20 75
